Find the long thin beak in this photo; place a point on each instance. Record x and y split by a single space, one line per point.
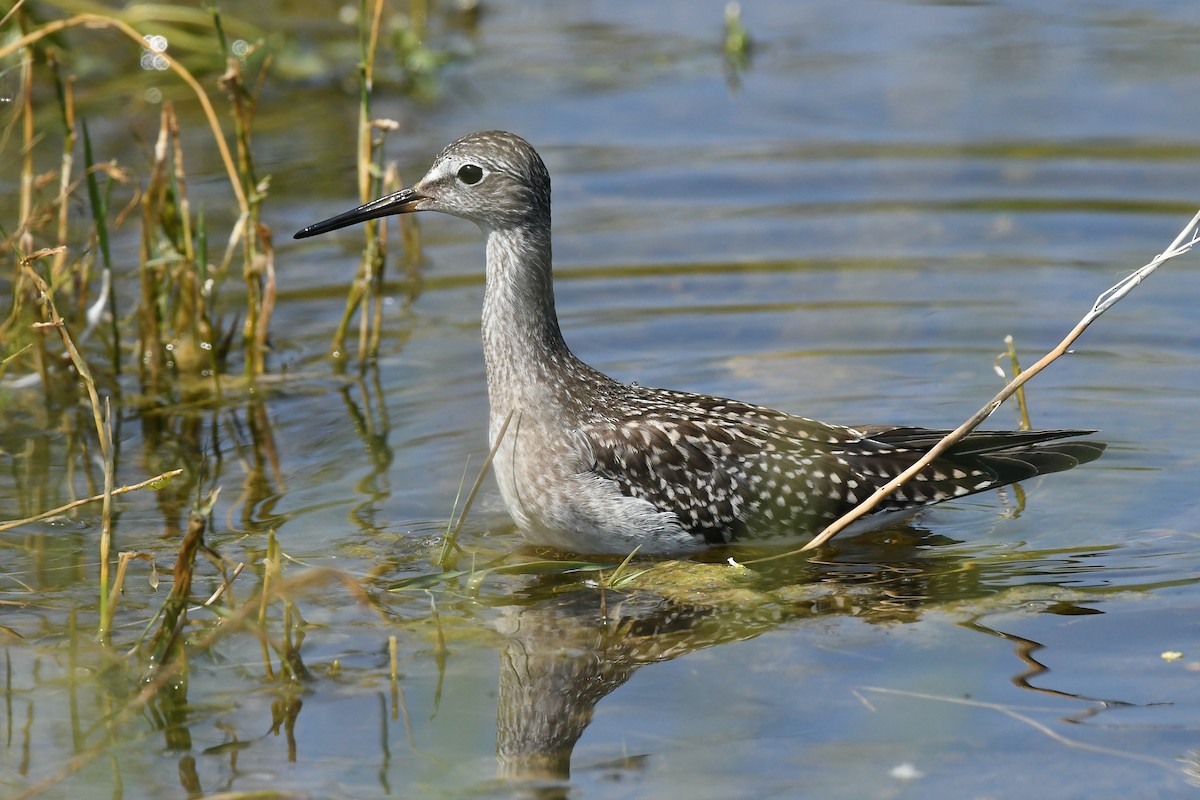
402 202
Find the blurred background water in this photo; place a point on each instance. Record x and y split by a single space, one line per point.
844 223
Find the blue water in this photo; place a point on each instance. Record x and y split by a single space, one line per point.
847 228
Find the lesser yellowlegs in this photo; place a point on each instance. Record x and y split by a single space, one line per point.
593 465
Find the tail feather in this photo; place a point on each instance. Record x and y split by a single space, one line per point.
1027 462
974 443
981 461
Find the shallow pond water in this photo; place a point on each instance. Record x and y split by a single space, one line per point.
845 226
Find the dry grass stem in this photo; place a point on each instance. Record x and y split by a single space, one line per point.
152 483
394 674
451 541
118 582
1010 350
102 420
106 537
225 584
15 7
371 179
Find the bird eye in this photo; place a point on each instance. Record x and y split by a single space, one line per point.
470 174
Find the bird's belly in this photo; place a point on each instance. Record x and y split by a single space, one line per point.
556 500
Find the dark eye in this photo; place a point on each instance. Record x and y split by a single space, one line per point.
470 174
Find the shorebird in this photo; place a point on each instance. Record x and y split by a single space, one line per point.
592 465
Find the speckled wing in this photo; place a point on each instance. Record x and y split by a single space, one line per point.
725 469
729 470
691 469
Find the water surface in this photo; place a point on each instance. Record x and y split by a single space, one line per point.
845 227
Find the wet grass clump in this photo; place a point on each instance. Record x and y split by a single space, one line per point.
187 351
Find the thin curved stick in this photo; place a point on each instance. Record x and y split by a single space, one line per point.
166 476
1182 244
